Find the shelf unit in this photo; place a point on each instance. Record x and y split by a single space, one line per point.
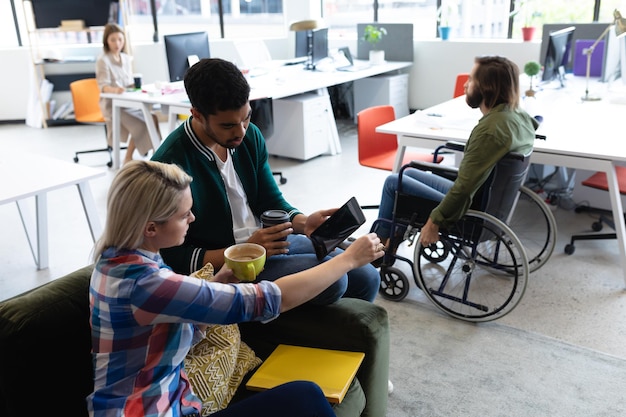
49 64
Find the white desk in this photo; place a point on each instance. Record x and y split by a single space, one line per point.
583 135
280 82
27 175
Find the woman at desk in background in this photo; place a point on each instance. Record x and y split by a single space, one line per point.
114 73
493 87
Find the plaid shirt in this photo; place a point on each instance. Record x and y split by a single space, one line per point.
142 320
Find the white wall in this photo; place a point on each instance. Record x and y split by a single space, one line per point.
438 62
431 79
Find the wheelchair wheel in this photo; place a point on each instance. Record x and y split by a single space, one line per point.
436 252
394 285
535 226
484 275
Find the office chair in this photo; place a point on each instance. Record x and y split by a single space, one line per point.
599 181
460 82
263 118
85 97
378 150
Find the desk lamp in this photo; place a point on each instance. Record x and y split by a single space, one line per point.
620 30
308 26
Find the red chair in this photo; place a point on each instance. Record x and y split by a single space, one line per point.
378 150
599 181
461 79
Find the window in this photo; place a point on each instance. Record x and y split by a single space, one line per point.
267 19
242 18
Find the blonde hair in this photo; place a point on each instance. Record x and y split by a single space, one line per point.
109 29
141 192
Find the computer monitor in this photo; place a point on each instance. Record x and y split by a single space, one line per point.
302 43
312 44
320 45
558 54
584 32
184 50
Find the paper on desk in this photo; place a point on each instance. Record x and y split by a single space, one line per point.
447 121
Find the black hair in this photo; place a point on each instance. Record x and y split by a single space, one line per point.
214 84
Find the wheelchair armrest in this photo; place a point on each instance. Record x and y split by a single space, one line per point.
442 170
455 146
460 147
452 145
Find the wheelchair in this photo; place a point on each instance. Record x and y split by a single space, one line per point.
478 271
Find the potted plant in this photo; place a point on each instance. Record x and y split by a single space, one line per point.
445 14
531 69
525 10
373 35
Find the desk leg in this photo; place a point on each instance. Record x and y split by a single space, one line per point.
42 230
146 108
172 119
37 240
618 215
89 206
399 154
334 145
117 132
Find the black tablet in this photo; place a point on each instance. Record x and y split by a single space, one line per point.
337 228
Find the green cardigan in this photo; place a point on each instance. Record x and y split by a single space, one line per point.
213 227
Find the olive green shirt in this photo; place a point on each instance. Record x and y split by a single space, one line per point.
497 133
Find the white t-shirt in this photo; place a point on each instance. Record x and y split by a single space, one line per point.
244 221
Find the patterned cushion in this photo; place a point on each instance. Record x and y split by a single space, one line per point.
217 364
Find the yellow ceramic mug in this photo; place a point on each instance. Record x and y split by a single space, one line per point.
246 260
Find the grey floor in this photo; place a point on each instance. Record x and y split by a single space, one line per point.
579 299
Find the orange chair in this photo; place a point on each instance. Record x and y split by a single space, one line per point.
378 150
85 98
599 182
461 79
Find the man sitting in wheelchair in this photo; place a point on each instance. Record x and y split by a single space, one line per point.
493 87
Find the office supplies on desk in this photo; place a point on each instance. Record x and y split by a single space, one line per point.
332 370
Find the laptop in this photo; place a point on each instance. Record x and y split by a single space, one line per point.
348 63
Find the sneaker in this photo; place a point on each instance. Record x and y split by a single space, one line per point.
389 387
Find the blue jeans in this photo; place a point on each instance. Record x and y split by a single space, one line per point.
414 182
362 282
299 398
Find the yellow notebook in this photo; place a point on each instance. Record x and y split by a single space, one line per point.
332 370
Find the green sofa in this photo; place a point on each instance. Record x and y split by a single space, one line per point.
45 344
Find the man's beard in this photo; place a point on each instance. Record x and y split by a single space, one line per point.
474 100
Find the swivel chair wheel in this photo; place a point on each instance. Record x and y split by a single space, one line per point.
76 159
283 180
394 285
110 164
569 249
596 226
